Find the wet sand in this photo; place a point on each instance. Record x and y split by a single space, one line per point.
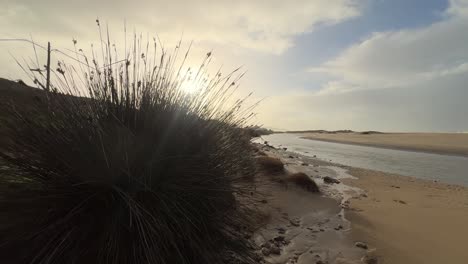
410 221
402 220
441 143
303 227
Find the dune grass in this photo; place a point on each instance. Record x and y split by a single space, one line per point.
118 164
270 164
304 181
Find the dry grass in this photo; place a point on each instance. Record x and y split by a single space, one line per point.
304 181
120 165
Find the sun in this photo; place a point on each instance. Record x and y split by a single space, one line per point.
189 87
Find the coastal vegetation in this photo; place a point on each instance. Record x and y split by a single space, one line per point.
113 161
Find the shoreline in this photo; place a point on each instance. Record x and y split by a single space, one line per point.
401 141
402 219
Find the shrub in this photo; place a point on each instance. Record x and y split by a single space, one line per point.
270 164
120 165
304 181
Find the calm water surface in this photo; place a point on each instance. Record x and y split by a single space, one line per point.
445 168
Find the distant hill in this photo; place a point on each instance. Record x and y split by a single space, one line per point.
20 95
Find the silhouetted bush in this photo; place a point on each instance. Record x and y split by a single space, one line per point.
120 165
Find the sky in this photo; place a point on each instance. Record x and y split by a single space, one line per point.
388 65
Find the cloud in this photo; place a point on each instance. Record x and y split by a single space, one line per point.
439 106
402 58
267 26
406 80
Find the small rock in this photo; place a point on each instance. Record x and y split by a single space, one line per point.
361 245
339 227
285 148
305 164
279 238
330 180
264 201
295 222
291 157
281 230
322 230
266 251
266 245
364 195
399 201
275 250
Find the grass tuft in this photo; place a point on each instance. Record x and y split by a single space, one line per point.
116 163
304 181
270 164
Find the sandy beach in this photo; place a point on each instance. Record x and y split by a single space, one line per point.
401 220
442 143
410 220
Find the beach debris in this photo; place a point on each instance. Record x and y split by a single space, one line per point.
361 245
291 157
400 201
339 227
305 164
330 180
394 186
285 148
264 201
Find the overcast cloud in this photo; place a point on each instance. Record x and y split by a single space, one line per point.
404 79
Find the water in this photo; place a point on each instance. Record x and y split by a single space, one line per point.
445 168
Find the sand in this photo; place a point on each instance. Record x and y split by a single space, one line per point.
302 227
410 221
443 143
402 220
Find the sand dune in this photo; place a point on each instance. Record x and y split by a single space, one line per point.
443 143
